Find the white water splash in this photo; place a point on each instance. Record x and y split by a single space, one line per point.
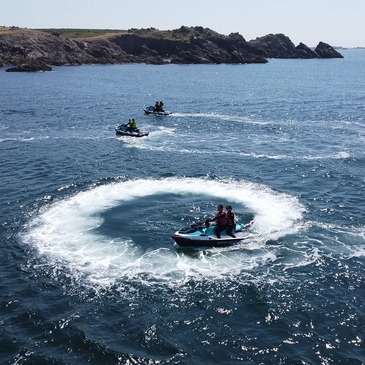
65 232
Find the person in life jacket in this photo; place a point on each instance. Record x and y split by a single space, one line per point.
220 219
231 221
132 125
159 106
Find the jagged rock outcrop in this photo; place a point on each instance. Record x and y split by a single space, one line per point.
31 66
324 50
186 45
275 46
280 46
305 52
23 45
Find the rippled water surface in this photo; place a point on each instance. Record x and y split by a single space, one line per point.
89 271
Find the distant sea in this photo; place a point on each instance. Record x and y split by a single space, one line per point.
89 271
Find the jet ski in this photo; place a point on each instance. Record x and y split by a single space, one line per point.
122 130
152 110
198 235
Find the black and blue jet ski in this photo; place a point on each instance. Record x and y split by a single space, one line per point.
198 235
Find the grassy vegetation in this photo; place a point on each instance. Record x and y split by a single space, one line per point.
8 30
84 33
68 33
184 33
89 34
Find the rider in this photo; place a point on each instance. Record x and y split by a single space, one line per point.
132 125
159 106
220 219
231 224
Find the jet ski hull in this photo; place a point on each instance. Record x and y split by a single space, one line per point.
205 237
121 131
151 110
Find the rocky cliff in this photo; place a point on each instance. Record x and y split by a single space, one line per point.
27 49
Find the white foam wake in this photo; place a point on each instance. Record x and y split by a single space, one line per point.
65 232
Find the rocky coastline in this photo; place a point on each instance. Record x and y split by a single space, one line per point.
27 50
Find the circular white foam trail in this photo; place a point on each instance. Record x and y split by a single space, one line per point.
65 232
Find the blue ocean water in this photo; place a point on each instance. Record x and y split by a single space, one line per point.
89 271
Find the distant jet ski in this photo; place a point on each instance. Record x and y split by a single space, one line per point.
152 110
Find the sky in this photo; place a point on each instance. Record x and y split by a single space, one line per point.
336 22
